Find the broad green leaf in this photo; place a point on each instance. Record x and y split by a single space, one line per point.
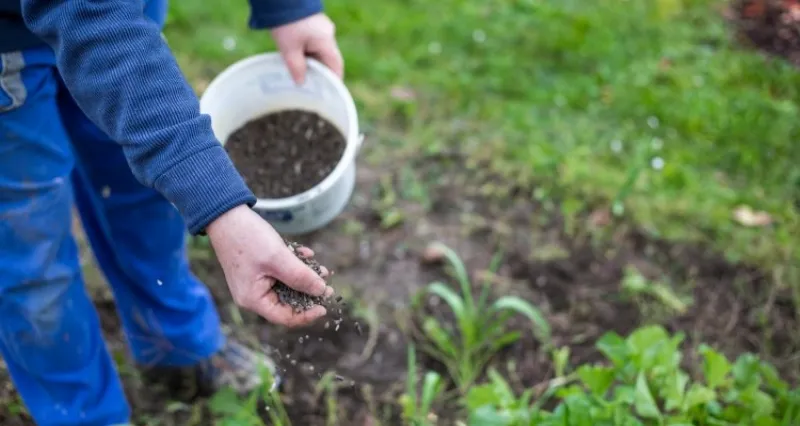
579 409
675 390
598 379
647 337
715 367
760 402
714 408
653 348
614 348
698 395
489 416
624 395
236 422
765 420
501 388
644 402
771 378
745 371
567 391
540 325
481 395
225 402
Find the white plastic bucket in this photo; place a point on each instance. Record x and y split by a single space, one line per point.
261 84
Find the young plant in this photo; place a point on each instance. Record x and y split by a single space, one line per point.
635 284
232 410
416 405
480 329
329 385
495 403
642 385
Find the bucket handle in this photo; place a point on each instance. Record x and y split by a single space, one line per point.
360 142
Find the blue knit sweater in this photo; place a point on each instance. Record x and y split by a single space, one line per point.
124 77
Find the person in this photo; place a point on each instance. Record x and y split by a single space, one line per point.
95 115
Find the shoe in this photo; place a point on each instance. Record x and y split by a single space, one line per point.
234 366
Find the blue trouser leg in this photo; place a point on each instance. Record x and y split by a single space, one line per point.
49 331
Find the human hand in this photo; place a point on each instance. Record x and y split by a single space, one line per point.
313 36
253 256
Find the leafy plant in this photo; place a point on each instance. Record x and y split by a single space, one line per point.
233 410
480 327
417 407
643 384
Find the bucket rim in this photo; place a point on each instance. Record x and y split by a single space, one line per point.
352 138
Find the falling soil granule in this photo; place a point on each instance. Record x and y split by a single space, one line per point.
285 153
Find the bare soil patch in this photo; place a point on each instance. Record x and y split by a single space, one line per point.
575 278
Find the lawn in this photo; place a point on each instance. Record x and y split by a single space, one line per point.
618 178
650 104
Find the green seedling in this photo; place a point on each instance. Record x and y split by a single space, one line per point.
329 385
634 283
417 405
386 205
232 410
643 384
495 404
480 329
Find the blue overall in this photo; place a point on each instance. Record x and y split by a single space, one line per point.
52 158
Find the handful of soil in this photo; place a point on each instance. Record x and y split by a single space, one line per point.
285 153
297 300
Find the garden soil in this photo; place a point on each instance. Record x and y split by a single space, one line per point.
285 153
574 278
770 25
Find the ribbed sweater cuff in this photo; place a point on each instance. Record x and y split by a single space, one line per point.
203 187
265 15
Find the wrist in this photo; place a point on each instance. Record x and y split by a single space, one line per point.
218 225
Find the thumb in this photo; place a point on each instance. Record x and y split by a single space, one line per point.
296 62
294 273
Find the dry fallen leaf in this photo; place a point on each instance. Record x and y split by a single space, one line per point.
403 93
746 216
600 218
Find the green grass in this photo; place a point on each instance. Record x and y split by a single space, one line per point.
581 98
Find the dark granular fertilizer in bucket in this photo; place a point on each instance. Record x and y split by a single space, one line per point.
297 300
285 153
